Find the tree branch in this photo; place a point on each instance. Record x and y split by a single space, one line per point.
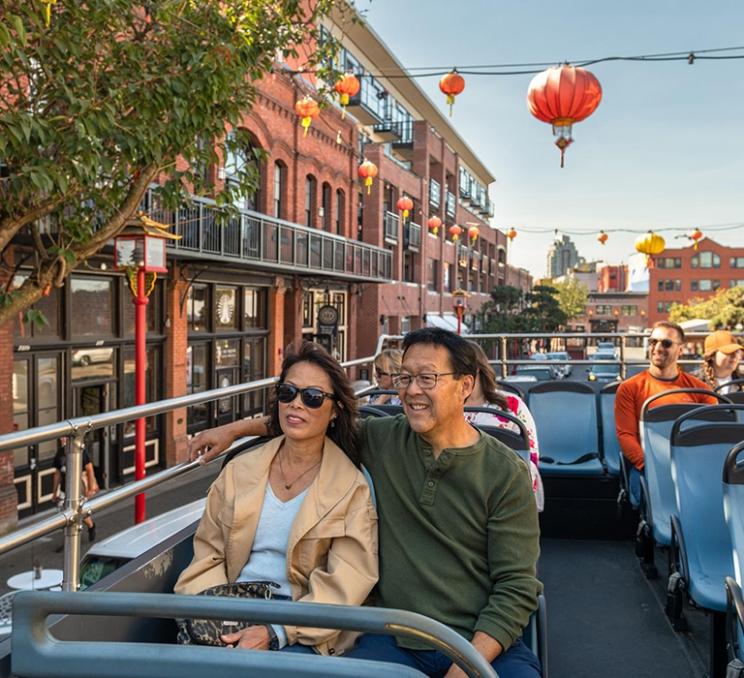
10 225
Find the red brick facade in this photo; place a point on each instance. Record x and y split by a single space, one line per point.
612 278
680 275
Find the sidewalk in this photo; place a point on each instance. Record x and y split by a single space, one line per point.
164 497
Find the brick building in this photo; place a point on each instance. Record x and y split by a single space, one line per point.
612 278
682 274
237 294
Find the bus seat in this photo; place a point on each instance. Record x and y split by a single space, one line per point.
610 445
735 627
565 414
516 440
701 537
535 634
733 505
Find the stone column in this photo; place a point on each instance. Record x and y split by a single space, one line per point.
176 366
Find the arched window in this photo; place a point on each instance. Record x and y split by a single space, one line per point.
311 200
280 188
340 212
327 207
241 163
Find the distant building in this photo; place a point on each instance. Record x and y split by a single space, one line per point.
562 256
616 312
518 277
612 278
679 275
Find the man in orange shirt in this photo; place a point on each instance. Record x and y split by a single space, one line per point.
663 374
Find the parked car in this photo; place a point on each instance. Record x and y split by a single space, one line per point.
604 372
541 373
560 371
87 356
111 553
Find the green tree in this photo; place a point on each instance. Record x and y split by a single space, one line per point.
572 296
543 312
513 311
724 310
103 97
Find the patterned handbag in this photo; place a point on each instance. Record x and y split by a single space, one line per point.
208 631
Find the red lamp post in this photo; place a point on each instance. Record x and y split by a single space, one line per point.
140 251
458 304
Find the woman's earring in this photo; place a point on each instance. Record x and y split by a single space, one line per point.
333 423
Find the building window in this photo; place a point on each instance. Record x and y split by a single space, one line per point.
326 206
238 164
706 260
225 316
432 275
152 310
254 303
604 309
668 262
736 262
629 310
340 212
704 285
280 183
409 267
196 381
198 304
92 305
664 306
311 187
736 283
48 305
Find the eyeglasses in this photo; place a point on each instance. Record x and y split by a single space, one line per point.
311 397
425 380
666 343
380 373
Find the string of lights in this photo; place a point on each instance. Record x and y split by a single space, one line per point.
712 228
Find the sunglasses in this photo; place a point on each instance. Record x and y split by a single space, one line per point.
666 343
311 397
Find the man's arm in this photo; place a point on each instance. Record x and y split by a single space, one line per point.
56 479
627 426
488 647
211 443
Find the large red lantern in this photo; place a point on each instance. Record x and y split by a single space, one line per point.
563 95
602 237
454 232
434 223
511 234
696 235
307 108
346 87
473 233
405 205
452 84
368 172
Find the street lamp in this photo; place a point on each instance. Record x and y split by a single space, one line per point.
458 303
140 251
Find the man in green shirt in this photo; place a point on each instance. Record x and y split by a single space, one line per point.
458 523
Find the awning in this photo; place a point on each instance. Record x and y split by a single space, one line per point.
447 321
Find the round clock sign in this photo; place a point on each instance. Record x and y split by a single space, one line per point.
327 315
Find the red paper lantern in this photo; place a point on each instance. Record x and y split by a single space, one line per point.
452 84
696 235
307 108
405 205
346 87
473 233
511 234
434 223
602 237
368 172
454 232
563 95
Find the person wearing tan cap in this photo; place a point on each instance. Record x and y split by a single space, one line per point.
721 357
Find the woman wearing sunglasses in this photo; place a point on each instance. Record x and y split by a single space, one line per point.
296 511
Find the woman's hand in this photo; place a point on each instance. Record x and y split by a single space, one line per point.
250 638
209 444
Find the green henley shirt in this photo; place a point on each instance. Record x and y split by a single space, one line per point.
459 535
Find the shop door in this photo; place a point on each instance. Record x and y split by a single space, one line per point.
89 400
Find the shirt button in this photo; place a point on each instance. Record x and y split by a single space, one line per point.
430 483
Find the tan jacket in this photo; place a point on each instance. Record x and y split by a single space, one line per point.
332 548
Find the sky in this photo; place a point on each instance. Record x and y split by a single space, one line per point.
664 149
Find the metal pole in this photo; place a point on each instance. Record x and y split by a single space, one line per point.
140 366
73 504
504 357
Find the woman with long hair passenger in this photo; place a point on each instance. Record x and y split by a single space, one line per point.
296 511
721 361
387 363
487 394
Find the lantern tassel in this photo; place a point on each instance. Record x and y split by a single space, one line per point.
451 102
368 184
306 122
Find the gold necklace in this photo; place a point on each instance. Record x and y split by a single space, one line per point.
288 486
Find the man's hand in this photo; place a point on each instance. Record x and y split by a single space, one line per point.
489 647
251 638
209 444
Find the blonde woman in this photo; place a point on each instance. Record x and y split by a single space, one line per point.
721 358
386 364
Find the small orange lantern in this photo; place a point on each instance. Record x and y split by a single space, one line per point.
650 244
696 235
405 205
602 237
511 234
368 172
307 108
434 223
452 84
454 232
346 87
473 233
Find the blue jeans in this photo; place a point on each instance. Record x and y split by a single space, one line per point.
517 662
634 491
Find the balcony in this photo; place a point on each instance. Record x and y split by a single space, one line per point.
267 244
435 194
392 227
403 145
387 131
368 104
412 239
451 205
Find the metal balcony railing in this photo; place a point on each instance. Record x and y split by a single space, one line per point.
268 243
413 237
392 227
